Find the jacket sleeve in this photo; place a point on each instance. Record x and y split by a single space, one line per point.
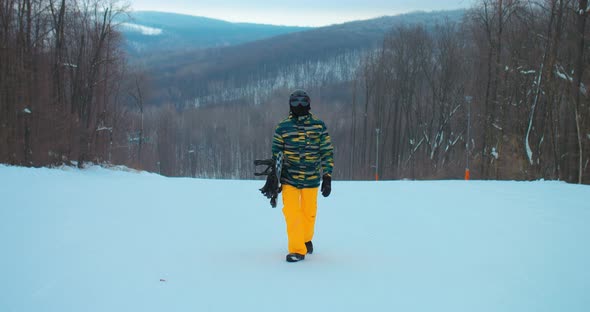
278 143
326 152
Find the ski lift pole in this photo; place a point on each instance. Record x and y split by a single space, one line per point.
467 173
377 156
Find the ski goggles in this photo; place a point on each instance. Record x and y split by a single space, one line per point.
299 100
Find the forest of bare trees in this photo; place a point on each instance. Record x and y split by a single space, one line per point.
503 92
60 71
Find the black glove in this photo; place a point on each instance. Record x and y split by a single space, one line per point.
326 185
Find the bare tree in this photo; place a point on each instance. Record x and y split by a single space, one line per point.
578 74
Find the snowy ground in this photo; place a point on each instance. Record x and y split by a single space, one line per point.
104 240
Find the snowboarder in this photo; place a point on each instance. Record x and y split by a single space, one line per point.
307 152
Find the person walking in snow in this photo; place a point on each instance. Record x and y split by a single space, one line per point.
308 157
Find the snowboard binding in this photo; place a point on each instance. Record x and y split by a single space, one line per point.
271 188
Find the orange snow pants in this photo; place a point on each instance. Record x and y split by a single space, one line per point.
299 207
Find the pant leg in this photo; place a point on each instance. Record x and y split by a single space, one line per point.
293 212
309 202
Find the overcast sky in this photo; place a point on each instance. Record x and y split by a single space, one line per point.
296 12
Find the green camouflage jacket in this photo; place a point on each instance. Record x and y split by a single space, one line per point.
307 149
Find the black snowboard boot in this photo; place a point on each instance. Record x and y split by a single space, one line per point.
309 246
294 257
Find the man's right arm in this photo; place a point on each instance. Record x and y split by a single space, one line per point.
277 143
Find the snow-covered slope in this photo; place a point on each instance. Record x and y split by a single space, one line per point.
105 240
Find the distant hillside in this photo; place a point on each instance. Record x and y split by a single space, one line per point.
148 32
332 51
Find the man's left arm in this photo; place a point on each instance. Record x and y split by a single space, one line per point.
327 160
326 152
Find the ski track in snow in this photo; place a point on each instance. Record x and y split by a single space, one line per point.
110 240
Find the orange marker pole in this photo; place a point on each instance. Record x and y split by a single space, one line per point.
466 174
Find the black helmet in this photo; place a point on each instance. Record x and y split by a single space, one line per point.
299 97
299 103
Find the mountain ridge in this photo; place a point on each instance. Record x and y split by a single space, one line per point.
181 32
192 73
